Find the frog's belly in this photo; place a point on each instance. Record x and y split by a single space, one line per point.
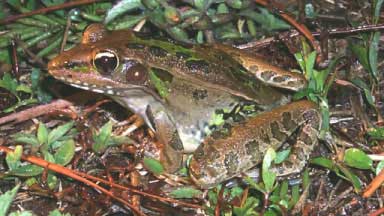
192 135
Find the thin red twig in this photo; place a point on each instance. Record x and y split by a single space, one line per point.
67 172
376 183
299 27
35 111
48 9
82 177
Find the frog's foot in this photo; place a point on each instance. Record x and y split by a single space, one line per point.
306 140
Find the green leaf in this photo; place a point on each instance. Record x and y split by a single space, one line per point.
300 60
367 92
27 171
310 11
23 213
25 138
377 8
350 177
24 88
295 195
372 54
102 139
8 83
324 162
56 212
266 19
59 131
356 158
120 8
309 65
283 189
222 9
42 134
13 158
160 85
118 140
52 181
376 133
20 104
379 167
6 199
128 22
179 34
185 193
153 165
282 155
248 209
65 153
362 54
306 180
267 175
254 184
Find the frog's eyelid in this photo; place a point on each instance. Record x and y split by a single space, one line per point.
105 54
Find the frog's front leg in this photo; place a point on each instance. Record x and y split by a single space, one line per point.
171 149
222 157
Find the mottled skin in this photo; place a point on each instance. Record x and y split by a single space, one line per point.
178 90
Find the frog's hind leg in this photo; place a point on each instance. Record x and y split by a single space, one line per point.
223 156
264 71
306 140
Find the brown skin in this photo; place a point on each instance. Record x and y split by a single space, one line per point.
199 81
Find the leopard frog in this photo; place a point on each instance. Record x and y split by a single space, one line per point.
181 91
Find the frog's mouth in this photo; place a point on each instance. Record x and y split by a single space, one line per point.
92 81
89 81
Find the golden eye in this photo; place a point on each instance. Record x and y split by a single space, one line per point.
105 61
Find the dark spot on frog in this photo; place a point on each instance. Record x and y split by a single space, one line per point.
135 46
182 55
198 65
199 153
312 117
277 133
266 75
158 51
254 68
200 94
281 78
231 161
288 122
251 148
265 137
223 132
220 56
176 142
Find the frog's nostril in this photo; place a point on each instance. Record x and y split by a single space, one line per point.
51 65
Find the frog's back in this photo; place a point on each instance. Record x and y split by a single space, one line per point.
204 65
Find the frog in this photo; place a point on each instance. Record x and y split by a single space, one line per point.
179 89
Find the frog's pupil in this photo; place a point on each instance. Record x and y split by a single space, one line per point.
105 62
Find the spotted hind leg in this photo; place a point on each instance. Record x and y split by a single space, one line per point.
306 140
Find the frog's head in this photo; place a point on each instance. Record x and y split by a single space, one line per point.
100 64
97 64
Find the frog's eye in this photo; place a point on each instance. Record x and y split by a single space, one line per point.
136 73
105 61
